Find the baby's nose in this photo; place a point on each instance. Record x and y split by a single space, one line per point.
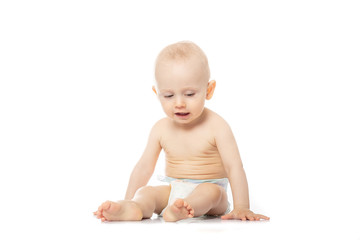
180 103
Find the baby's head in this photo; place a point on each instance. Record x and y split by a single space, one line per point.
181 52
182 81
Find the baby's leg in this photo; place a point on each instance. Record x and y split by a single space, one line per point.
146 201
207 198
152 199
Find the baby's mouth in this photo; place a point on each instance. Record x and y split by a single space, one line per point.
181 114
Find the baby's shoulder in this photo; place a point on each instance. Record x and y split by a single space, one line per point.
161 124
158 129
215 119
217 123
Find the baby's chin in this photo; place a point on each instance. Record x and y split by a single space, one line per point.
181 119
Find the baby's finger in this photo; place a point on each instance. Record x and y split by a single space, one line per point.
262 217
250 217
227 216
241 217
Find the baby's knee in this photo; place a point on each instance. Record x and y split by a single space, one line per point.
212 189
145 190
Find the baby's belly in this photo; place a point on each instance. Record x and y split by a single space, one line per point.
195 168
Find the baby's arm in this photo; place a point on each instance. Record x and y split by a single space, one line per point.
144 168
230 155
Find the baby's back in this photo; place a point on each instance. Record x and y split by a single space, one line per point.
192 152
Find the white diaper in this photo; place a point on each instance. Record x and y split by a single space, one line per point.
181 188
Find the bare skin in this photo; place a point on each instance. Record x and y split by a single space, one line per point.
119 211
147 200
129 211
179 210
198 144
207 198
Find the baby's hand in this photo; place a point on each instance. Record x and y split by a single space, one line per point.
244 214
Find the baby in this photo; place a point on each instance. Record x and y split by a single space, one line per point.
200 149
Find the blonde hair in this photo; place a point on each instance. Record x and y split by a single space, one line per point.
182 51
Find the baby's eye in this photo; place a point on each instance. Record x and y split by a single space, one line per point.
168 96
190 94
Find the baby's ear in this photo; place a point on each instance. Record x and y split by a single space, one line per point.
154 89
210 89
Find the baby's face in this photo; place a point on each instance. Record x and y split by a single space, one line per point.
181 88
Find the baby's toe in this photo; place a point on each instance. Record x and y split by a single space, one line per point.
179 203
192 212
106 205
98 214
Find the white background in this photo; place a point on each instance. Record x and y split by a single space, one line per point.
76 107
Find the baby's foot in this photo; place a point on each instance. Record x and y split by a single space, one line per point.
177 211
119 211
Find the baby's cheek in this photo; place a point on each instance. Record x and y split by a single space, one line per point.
167 106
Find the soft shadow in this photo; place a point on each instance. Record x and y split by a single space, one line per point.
155 219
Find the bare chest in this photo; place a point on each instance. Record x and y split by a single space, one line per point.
182 145
192 156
